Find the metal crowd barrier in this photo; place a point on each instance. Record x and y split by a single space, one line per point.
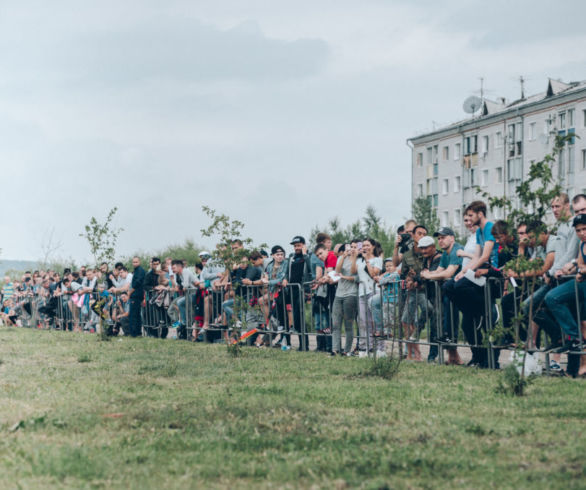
427 315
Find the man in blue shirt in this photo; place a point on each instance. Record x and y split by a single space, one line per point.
468 294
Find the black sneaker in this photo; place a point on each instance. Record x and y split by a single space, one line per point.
569 346
446 340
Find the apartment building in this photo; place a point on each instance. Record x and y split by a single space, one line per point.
493 150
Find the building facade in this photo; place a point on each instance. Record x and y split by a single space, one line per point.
494 150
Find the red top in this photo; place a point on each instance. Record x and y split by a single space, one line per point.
331 260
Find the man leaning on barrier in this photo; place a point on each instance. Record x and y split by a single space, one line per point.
560 308
562 290
450 264
468 292
415 306
431 261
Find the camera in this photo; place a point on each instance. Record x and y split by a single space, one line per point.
405 242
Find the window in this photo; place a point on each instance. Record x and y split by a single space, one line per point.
434 201
457 184
457 151
470 145
445 186
445 218
515 169
571 132
457 217
583 159
584 118
435 169
428 187
484 178
499 175
446 152
532 131
511 133
498 141
485 145
570 118
435 151
514 174
434 186
419 190
469 178
561 165
429 155
562 120
420 159
571 159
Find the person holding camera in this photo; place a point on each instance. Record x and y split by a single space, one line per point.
346 299
412 318
403 241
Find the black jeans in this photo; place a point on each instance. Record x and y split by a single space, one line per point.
134 317
469 298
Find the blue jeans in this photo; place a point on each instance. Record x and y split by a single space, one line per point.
228 307
559 300
181 305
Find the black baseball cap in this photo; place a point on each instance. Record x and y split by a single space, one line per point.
276 249
298 239
444 231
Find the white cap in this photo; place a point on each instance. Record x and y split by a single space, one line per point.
425 241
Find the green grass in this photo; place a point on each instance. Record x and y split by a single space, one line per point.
143 413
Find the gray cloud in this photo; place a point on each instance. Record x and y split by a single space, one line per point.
169 48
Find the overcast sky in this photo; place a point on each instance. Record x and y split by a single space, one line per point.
281 114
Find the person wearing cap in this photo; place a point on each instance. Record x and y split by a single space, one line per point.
384 302
273 303
449 265
413 317
431 260
558 300
298 276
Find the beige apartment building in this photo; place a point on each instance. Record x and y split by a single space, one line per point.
493 150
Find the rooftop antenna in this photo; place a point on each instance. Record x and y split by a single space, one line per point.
472 104
481 89
522 81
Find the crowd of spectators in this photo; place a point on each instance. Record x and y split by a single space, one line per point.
428 291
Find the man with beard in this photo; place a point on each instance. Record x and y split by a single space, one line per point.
299 274
469 295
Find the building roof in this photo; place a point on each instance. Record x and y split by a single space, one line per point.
500 108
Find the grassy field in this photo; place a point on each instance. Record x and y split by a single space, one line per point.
144 413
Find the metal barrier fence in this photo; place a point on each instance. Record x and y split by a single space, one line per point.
435 314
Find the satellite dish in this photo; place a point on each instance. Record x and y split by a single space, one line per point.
472 104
